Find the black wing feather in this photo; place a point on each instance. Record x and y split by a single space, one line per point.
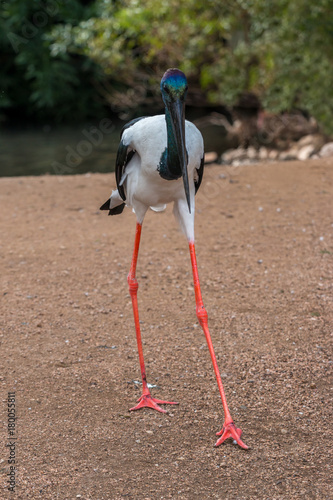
200 172
121 162
124 157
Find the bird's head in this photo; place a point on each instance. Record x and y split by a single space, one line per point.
174 89
173 86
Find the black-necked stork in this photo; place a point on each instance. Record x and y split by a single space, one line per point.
161 160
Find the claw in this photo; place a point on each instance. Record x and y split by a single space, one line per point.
229 430
147 401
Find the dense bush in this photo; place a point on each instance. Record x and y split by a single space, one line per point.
34 83
281 51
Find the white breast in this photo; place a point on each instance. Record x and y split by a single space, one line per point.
149 138
144 185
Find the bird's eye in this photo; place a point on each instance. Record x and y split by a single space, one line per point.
166 88
186 88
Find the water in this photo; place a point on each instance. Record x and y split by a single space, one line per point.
70 151
59 151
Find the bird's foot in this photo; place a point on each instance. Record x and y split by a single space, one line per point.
146 400
229 430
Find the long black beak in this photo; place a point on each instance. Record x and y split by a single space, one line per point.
177 112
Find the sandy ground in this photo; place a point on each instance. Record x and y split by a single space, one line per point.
68 348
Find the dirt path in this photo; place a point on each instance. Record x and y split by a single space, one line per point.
68 349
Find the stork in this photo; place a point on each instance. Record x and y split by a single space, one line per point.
160 160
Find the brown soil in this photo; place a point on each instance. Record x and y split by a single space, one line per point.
68 349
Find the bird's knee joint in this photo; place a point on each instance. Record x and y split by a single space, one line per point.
202 314
133 285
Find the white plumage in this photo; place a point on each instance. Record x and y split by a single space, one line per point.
142 182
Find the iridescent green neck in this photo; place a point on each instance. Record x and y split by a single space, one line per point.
169 166
173 156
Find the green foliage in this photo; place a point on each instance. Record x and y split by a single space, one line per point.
302 69
282 51
33 82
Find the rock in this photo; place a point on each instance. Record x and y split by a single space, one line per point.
252 154
326 150
305 152
316 140
240 163
293 151
227 156
211 157
305 148
305 140
287 155
263 153
273 154
234 154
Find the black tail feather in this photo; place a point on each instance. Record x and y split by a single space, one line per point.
113 211
106 205
117 210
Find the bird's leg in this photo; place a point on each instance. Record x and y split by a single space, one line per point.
146 400
229 429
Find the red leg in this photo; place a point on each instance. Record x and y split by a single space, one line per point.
229 429
146 400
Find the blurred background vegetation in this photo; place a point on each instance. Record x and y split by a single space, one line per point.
65 60
71 61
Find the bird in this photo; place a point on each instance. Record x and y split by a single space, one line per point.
160 160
